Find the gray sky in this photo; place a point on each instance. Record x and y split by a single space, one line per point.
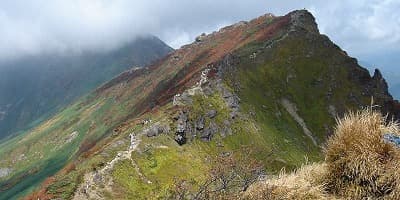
368 30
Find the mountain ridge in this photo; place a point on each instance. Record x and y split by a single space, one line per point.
272 85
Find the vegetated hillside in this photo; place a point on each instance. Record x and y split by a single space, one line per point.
33 88
204 122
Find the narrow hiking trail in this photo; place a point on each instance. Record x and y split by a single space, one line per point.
96 182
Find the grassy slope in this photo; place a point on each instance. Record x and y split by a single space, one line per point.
275 139
271 133
279 141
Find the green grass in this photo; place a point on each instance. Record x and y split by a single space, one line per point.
159 165
45 150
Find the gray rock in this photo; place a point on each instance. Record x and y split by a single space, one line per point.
225 154
226 93
180 139
5 172
182 127
189 133
156 129
231 100
97 178
227 123
226 130
209 132
392 138
152 131
183 116
207 91
120 142
211 113
199 124
233 114
201 37
181 122
182 99
186 99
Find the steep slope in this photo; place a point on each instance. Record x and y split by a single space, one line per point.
265 91
33 88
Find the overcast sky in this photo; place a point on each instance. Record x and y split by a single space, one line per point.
368 30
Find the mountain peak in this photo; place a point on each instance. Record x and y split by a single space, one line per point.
305 20
380 83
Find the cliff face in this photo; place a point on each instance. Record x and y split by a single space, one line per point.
269 89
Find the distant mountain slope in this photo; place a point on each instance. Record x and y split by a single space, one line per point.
33 88
267 91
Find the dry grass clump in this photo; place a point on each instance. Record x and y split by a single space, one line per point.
360 164
304 183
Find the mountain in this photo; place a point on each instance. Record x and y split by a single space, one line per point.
206 120
35 87
391 76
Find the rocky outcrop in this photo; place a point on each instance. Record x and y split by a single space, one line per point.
182 127
380 86
5 172
71 136
211 113
200 123
302 19
156 129
209 132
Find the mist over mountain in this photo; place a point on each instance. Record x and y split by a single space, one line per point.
34 87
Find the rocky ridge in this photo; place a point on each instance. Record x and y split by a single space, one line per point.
273 85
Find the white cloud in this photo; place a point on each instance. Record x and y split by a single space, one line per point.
361 27
41 26
29 27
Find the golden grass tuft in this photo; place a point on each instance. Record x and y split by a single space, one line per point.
305 183
360 163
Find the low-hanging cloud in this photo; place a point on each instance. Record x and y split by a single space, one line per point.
41 26
31 27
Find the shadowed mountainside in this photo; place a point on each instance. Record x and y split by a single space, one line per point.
35 87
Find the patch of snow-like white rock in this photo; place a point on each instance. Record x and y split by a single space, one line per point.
182 99
5 172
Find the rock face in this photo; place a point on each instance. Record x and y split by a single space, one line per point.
5 172
182 128
156 129
380 85
211 113
199 125
209 132
302 19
